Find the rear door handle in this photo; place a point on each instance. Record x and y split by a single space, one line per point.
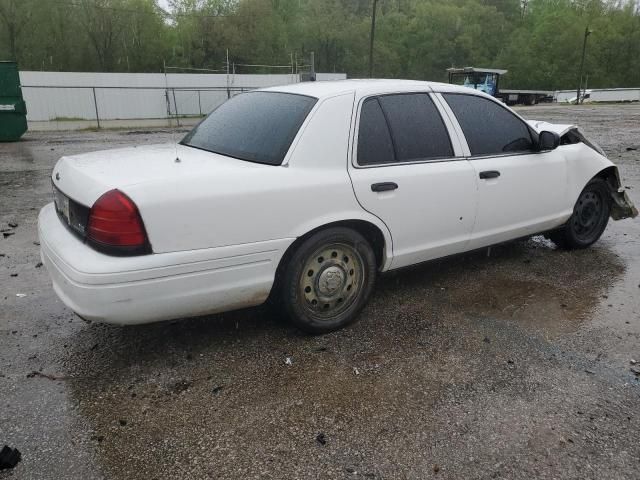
489 174
384 186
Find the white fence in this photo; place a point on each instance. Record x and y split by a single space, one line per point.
99 97
602 95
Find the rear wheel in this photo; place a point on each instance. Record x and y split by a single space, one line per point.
589 219
328 280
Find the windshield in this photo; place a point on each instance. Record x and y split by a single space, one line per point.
255 126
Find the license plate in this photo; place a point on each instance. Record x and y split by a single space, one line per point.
62 204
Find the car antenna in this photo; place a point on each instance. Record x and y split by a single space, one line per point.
166 93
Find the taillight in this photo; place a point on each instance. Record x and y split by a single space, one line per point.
115 226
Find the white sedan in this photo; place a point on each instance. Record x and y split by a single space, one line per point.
305 192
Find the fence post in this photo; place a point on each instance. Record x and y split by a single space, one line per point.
199 104
95 104
175 105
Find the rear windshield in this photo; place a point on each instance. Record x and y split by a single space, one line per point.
255 126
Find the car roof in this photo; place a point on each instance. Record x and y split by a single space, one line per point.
324 89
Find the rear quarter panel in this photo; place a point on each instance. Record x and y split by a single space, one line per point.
310 189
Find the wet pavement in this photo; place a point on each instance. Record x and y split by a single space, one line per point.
515 364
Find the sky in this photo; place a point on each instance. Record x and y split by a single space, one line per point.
164 4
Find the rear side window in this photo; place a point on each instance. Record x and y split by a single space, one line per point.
374 140
488 127
256 126
401 128
416 126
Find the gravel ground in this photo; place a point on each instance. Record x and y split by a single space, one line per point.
512 365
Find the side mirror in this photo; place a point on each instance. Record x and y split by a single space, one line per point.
548 141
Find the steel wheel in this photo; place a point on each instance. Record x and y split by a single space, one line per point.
331 279
588 214
327 280
589 219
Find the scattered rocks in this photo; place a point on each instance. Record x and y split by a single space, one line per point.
179 386
217 389
9 457
321 439
122 422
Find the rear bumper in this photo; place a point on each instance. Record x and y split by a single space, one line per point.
149 288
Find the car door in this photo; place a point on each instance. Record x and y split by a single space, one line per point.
521 191
406 170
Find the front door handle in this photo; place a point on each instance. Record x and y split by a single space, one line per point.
489 174
384 186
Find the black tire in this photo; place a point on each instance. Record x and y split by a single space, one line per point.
328 280
589 219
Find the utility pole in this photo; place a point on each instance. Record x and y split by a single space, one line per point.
371 37
587 32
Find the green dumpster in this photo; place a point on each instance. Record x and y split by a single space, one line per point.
13 111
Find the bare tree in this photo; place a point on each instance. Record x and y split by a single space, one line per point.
103 24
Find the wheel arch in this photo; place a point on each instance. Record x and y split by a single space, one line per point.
372 232
621 205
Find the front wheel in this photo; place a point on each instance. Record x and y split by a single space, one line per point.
328 280
589 219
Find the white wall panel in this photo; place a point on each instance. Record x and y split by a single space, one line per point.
49 95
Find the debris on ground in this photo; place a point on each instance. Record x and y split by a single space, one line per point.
215 390
630 149
38 265
287 361
13 224
633 362
321 439
13 275
635 371
356 371
21 295
8 234
9 457
35 373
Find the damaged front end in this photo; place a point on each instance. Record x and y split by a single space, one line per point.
621 206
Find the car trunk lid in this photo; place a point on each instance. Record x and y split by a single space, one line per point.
84 178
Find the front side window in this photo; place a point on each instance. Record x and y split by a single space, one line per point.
255 126
488 127
401 128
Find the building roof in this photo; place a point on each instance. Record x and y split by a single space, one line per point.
476 69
